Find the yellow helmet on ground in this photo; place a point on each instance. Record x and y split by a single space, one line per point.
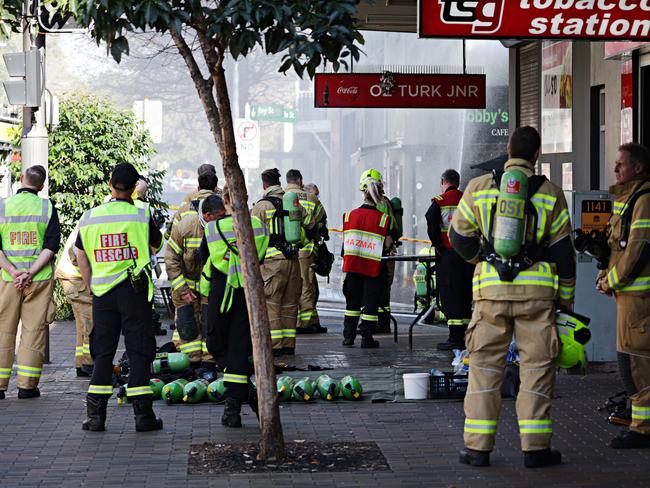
574 334
369 176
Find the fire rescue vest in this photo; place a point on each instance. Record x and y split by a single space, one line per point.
115 237
364 233
447 202
224 255
23 221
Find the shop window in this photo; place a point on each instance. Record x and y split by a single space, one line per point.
557 97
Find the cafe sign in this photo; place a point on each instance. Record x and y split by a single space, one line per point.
542 19
371 90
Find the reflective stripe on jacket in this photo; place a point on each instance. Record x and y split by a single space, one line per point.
23 222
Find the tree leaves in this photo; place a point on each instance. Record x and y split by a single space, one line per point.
310 32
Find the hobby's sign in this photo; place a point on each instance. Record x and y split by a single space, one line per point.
367 90
544 19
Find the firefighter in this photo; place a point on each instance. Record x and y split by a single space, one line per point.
387 207
183 264
208 181
228 329
453 273
30 236
280 270
366 238
628 279
308 321
81 301
113 252
517 289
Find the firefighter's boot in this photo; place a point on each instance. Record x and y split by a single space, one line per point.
474 458
630 439
231 413
96 411
540 459
368 342
145 418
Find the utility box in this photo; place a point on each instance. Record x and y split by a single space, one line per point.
591 211
28 67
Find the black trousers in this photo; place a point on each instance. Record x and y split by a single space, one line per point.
384 303
454 281
363 295
228 337
122 310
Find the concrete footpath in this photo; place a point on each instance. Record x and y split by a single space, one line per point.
43 444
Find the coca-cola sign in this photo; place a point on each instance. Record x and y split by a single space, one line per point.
365 90
542 19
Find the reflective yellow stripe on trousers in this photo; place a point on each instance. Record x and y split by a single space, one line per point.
487 427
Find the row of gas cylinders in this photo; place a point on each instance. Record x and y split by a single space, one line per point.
301 389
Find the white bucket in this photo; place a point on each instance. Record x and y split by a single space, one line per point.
416 386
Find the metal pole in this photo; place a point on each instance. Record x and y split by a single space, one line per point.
464 59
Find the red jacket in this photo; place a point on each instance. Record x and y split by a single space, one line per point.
447 202
364 232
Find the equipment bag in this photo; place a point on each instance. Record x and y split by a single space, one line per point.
323 260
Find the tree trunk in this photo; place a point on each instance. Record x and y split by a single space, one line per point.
220 119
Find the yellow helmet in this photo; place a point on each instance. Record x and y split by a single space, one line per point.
574 334
369 176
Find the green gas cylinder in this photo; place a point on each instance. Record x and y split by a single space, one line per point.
292 217
510 218
328 388
156 386
216 391
285 387
303 390
398 213
194 391
173 392
173 362
351 388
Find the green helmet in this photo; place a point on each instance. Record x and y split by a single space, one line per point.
328 388
369 176
285 387
351 388
303 390
574 334
216 390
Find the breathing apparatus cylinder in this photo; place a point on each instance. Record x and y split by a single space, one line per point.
173 362
156 386
121 396
328 388
173 392
351 388
398 213
285 388
303 390
510 217
216 391
194 391
292 217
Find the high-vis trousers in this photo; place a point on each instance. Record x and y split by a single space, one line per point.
362 295
122 310
30 308
488 337
454 280
188 336
282 287
632 337
307 315
228 338
384 302
81 302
